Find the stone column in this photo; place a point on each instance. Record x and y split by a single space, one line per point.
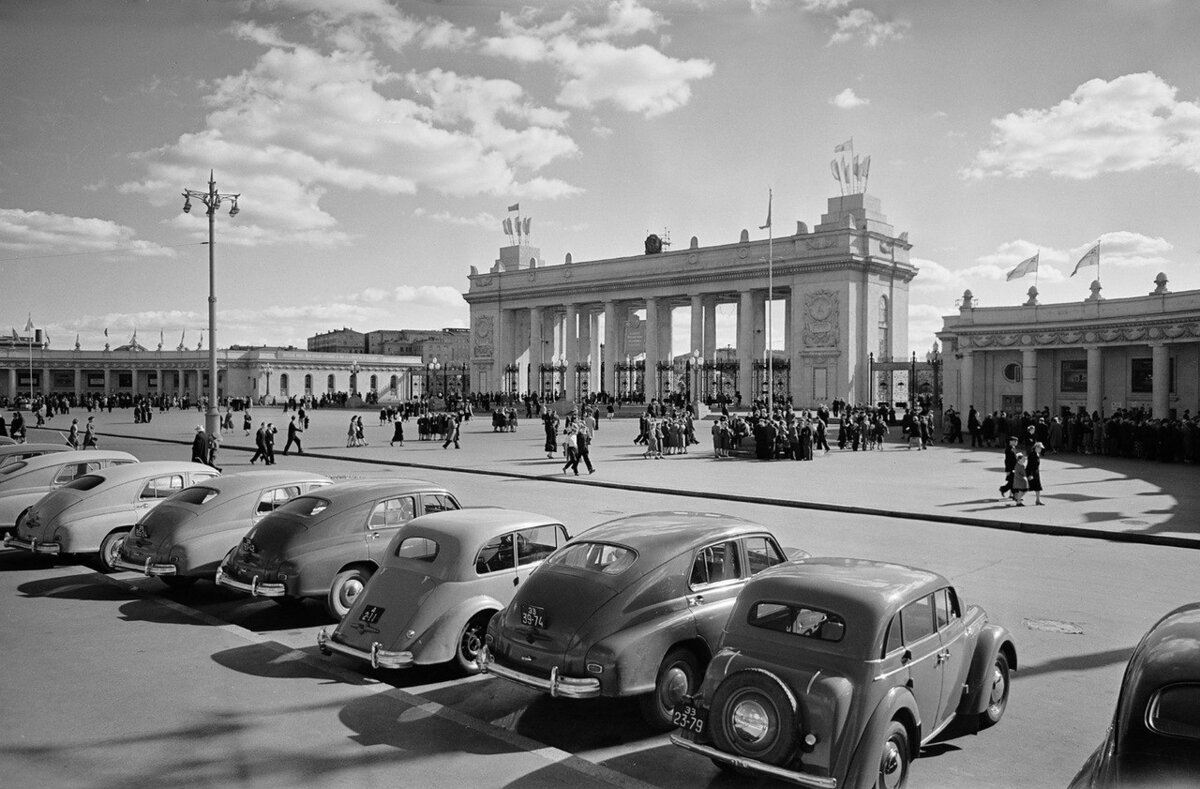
610 348
595 340
1095 379
47 381
107 380
745 345
801 376
537 352
78 382
1029 379
1161 376
133 377
180 382
571 350
652 345
696 340
709 348
12 382
966 383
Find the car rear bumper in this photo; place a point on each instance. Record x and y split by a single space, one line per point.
376 656
147 568
49 548
556 685
791 776
253 588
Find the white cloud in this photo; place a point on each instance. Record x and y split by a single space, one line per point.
440 34
482 220
860 22
1127 124
44 233
1128 250
823 6
848 100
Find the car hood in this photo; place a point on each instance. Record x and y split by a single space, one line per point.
569 600
386 608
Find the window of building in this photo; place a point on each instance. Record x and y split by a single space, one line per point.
1141 379
374 383
1012 373
283 384
330 384
308 384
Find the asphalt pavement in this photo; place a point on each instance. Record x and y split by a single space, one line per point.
1085 495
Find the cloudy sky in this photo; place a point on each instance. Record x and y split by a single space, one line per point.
377 144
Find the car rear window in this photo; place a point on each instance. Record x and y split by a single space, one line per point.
84 483
197 494
16 465
304 506
1175 711
422 549
798 620
597 557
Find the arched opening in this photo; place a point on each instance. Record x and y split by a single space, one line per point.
374 383
330 384
283 385
395 384
308 384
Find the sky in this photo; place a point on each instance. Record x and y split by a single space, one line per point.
376 147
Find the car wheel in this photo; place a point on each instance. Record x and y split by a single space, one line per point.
996 686
110 548
178 581
893 758
678 675
346 588
752 716
470 641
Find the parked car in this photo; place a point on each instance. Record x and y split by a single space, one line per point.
834 672
92 514
186 537
1154 738
23 483
632 607
328 544
12 452
443 578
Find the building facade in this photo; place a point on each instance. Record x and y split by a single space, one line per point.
1099 354
583 327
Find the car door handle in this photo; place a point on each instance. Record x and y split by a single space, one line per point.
697 599
374 535
943 656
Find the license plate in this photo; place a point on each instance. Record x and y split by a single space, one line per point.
689 718
371 614
533 616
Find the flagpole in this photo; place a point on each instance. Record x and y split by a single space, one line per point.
1097 261
770 307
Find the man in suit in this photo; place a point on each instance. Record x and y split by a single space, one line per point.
269 443
1010 463
583 441
294 432
260 443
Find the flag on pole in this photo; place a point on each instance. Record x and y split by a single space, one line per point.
105 331
866 167
848 145
837 174
770 197
15 336
846 172
1026 266
1089 257
515 207
29 324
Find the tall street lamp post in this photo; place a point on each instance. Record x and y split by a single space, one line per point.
212 201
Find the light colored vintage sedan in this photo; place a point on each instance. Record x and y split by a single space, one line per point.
12 453
26 481
328 544
92 514
185 538
443 578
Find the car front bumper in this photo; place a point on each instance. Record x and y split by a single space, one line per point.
48 548
253 588
147 568
791 776
556 685
376 656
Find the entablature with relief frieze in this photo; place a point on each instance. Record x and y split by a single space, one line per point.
1136 333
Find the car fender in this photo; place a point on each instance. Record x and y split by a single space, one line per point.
84 535
636 652
439 642
991 640
899 701
13 504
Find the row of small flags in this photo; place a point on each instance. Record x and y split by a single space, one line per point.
133 339
1030 265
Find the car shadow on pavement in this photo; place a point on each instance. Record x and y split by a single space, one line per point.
271 661
14 560
76 587
1076 663
382 719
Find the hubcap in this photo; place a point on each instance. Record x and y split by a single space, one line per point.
351 590
750 721
471 643
114 550
891 765
675 686
996 700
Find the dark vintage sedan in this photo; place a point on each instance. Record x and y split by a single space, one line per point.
632 607
444 577
328 544
834 673
1154 738
186 537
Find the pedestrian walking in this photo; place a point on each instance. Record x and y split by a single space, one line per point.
293 437
247 422
584 440
260 444
269 443
571 450
1020 483
360 438
1010 463
200 446
452 431
73 435
397 433
1033 472
89 434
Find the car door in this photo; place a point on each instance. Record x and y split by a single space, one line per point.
956 653
923 659
386 517
717 575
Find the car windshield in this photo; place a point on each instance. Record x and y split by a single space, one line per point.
597 557
304 506
197 494
84 483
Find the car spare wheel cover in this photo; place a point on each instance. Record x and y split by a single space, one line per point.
754 716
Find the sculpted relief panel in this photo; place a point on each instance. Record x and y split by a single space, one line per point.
821 319
483 346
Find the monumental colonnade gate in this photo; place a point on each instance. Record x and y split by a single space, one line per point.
574 327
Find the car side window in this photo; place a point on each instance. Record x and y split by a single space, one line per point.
894 639
534 545
946 606
918 620
761 553
716 564
437 502
161 487
70 472
391 513
497 555
273 498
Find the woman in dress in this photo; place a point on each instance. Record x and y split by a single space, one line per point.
350 434
397 432
359 438
1033 472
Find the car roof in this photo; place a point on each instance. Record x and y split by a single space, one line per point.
868 586
362 489
73 456
17 449
248 481
668 532
145 470
461 533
